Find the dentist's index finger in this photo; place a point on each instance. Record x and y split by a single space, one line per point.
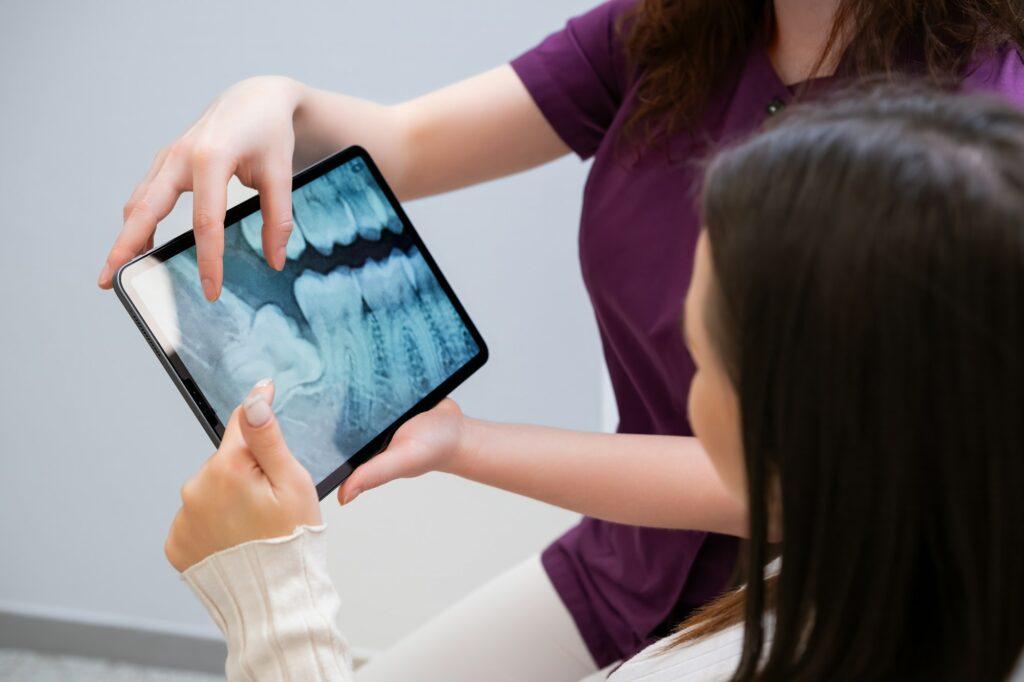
210 175
148 210
275 188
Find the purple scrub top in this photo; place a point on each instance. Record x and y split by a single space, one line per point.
626 586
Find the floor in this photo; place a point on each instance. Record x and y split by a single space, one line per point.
20 665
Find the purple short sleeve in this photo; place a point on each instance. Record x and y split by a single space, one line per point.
577 76
1001 72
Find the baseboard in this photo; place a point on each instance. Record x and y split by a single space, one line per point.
152 643
70 634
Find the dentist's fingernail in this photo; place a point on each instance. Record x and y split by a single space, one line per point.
104 275
208 288
257 411
263 383
280 257
351 495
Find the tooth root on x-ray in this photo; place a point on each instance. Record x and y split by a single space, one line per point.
447 323
369 218
252 230
407 269
382 209
454 342
406 330
353 189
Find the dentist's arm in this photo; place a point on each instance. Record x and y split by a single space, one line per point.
481 128
659 481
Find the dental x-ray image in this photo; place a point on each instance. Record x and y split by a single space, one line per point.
354 331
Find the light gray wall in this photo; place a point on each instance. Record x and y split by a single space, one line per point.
96 442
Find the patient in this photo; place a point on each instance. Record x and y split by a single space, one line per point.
856 315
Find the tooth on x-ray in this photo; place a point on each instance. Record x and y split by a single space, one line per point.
323 217
252 230
340 206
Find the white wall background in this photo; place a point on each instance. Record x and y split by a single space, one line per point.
94 440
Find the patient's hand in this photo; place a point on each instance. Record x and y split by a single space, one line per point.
427 442
252 488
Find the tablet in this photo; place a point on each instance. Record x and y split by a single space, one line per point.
360 331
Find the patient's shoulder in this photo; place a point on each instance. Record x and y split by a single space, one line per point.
713 657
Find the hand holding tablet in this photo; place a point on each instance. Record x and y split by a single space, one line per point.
252 488
360 330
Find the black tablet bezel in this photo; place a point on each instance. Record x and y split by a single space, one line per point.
180 375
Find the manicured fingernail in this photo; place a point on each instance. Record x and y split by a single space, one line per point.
104 275
351 495
208 288
263 383
257 411
280 257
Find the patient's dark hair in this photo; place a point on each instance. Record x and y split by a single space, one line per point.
869 306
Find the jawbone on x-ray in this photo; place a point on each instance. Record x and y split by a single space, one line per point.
354 331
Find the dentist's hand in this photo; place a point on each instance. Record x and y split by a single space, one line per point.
250 489
247 131
431 441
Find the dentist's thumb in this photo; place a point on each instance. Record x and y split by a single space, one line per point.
262 434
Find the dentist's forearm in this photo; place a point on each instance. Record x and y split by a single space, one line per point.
659 481
261 129
478 129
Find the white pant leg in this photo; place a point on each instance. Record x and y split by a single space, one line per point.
515 629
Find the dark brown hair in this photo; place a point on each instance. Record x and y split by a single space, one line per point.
868 258
682 49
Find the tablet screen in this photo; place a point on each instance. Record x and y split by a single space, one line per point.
355 331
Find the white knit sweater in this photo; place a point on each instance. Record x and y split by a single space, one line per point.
277 608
